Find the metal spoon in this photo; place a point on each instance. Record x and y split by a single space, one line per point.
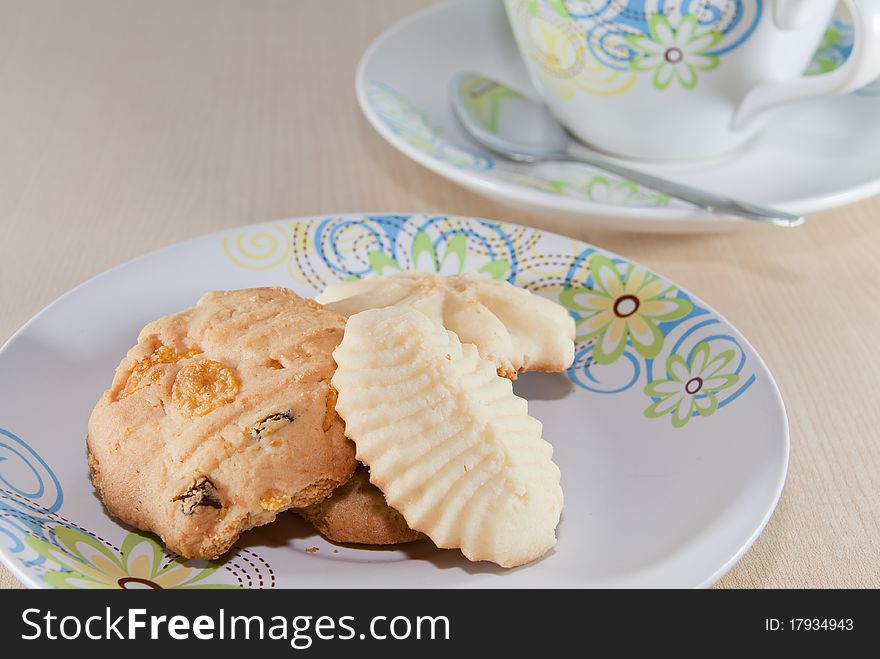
523 130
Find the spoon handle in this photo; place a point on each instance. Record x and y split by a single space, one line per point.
701 198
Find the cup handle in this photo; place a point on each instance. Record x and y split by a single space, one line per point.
861 67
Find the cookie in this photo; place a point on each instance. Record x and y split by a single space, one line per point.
447 441
220 417
358 513
516 329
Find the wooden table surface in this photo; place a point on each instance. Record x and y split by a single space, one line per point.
128 125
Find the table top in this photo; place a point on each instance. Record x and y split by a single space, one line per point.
126 126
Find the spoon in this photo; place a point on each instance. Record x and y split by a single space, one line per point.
518 128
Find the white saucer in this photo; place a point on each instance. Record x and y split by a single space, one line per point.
812 157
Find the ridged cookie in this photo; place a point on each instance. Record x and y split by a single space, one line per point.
220 417
516 329
447 441
358 513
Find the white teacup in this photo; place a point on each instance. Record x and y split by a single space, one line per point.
683 79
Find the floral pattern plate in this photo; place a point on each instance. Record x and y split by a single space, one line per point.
795 164
670 432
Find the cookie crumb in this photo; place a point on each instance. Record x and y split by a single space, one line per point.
312 550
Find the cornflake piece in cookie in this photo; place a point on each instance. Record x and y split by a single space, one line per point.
221 417
447 441
516 329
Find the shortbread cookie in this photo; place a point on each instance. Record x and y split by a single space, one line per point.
220 417
516 329
358 513
447 441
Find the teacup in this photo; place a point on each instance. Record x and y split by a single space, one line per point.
683 79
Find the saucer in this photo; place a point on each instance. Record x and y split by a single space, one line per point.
811 157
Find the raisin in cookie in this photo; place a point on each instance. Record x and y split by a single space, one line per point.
220 417
358 513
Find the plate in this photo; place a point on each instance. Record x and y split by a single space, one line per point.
673 445
811 157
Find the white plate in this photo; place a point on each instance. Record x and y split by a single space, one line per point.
812 157
646 503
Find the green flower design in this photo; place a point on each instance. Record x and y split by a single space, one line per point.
833 51
824 61
692 385
623 306
88 563
425 258
556 5
600 189
674 52
622 192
